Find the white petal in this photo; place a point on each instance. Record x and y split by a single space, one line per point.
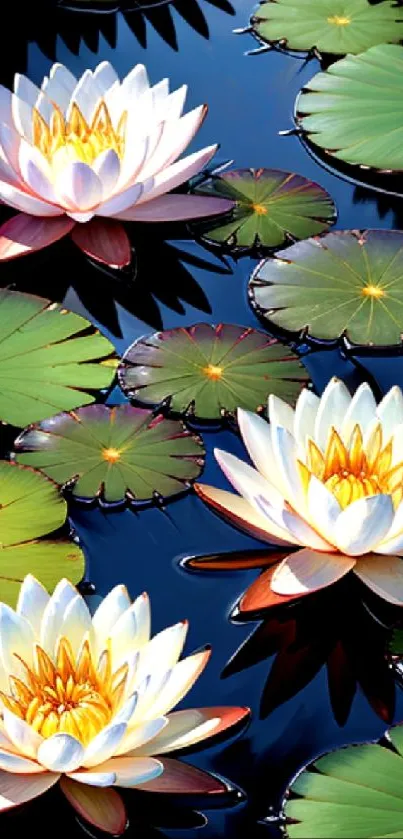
16 638
105 77
362 412
175 138
163 651
280 413
101 777
136 149
25 89
384 575
309 571
127 710
135 84
138 735
184 728
121 772
363 524
86 95
59 86
104 745
27 203
61 753
304 418
324 509
397 450
294 526
10 762
390 412
160 92
22 117
182 678
36 172
256 434
334 404
17 789
108 613
241 514
246 480
107 167
174 104
285 457
5 105
53 615
178 173
24 738
76 623
10 145
119 202
79 187
131 631
32 601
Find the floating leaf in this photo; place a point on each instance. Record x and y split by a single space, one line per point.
210 370
44 359
345 284
355 109
116 452
32 507
355 791
332 26
271 208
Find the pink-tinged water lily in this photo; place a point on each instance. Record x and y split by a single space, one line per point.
328 478
78 156
86 701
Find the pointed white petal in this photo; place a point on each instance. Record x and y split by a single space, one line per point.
36 172
107 167
104 745
361 411
135 84
127 710
304 418
11 762
16 638
136 149
334 404
363 524
256 436
59 86
86 95
179 172
131 631
53 615
27 203
24 738
105 77
32 601
390 412
285 457
76 623
308 571
324 509
61 753
137 736
79 187
108 613
240 513
294 526
280 413
382 574
119 202
121 772
163 651
174 104
183 729
182 678
25 89
175 138
246 480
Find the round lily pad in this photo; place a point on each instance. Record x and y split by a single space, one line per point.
31 507
114 453
354 791
46 358
331 26
346 284
209 371
272 207
354 110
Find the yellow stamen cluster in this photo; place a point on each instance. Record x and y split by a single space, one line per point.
63 141
354 471
373 291
259 209
213 372
111 455
72 696
339 20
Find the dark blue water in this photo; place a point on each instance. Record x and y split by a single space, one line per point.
178 282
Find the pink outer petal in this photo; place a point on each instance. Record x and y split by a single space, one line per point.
176 207
239 513
17 789
308 571
182 779
103 808
260 595
24 234
186 728
104 240
382 574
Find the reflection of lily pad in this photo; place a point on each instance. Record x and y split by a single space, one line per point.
354 111
271 208
114 451
31 507
210 370
44 359
345 284
355 791
333 26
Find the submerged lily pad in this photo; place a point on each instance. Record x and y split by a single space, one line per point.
31 507
210 370
345 284
354 111
332 26
114 452
271 208
45 358
355 791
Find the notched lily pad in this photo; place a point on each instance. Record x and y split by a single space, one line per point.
31 507
354 110
337 27
47 357
117 453
272 207
347 284
209 371
354 791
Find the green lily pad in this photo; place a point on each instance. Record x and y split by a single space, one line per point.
332 26
46 359
31 507
346 284
272 207
355 791
209 371
354 111
114 452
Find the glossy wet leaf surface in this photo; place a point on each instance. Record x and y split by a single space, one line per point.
354 110
31 507
272 207
331 26
210 370
345 284
48 359
354 791
114 452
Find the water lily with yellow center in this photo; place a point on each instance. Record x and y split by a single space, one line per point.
87 700
79 156
328 477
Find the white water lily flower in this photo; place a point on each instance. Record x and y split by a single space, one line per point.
89 698
80 155
328 477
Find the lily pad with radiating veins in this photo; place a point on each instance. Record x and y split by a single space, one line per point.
31 507
354 110
209 370
354 791
114 452
346 284
272 207
48 359
331 26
